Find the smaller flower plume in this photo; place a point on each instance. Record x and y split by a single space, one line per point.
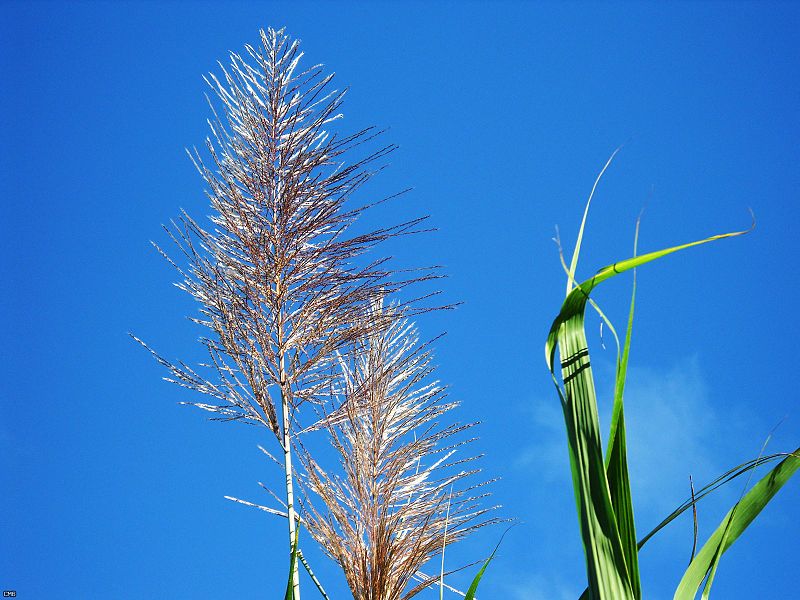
403 493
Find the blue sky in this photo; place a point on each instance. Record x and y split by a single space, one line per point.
504 114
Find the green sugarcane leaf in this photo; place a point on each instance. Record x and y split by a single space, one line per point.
733 525
606 568
617 454
473 588
707 489
576 253
609 574
726 477
576 300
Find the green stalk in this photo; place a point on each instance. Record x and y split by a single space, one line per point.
290 587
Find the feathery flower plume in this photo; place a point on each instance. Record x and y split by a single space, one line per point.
280 280
403 491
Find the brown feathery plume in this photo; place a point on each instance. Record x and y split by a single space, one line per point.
280 282
402 493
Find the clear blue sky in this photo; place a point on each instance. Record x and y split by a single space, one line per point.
504 113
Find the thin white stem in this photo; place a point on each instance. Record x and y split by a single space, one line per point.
420 576
287 462
444 544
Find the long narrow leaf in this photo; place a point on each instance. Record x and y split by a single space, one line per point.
606 569
695 498
574 262
576 300
617 455
733 525
726 477
718 555
473 588
722 544
608 573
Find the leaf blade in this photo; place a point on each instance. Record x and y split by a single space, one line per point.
473 588
741 515
617 454
608 572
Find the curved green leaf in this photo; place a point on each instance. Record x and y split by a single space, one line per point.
473 588
617 454
610 574
733 525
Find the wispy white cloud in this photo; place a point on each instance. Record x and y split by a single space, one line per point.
547 454
673 432
541 586
671 425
